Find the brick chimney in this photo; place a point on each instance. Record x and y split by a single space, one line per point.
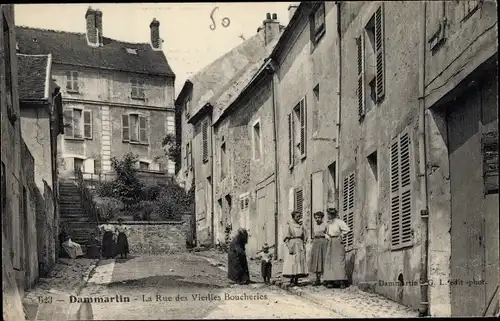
271 27
155 34
98 23
291 9
90 16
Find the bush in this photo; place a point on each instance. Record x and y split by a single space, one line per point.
108 207
143 210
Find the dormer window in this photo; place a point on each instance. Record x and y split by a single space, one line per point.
137 86
131 51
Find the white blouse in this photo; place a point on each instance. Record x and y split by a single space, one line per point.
121 228
106 228
337 228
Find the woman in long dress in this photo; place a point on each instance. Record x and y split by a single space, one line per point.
318 249
237 264
294 265
334 265
122 243
73 249
108 244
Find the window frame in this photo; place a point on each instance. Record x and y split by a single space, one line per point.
254 142
296 191
73 119
245 197
137 90
348 206
137 129
72 81
317 31
141 162
204 141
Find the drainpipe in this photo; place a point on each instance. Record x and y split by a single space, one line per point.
276 158
424 212
212 179
339 102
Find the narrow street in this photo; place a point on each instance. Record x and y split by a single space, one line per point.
178 286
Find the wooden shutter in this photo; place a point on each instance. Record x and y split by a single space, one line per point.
401 196
143 129
291 134
303 132
87 124
190 155
350 216
125 128
68 123
360 90
205 140
186 157
379 52
299 200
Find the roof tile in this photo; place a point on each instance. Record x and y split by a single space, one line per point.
32 76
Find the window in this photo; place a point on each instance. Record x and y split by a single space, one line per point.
332 181
204 133
223 161
8 70
316 109
256 141
348 200
318 23
401 192
244 202
78 164
72 81
170 125
371 63
78 124
131 51
187 106
137 87
298 202
143 166
4 187
297 132
135 128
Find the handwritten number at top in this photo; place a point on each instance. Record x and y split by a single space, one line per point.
225 21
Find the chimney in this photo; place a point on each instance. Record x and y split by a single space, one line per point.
98 23
90 16
291 9
271 27
155 34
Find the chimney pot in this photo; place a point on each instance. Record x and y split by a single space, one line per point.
268 16
275 16
91 17
271 28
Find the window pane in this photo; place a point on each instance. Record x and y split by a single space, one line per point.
77 121
134 128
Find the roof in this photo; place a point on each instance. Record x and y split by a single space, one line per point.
240 82
211 79
33 76
72 48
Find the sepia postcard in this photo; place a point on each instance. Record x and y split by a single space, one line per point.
249 160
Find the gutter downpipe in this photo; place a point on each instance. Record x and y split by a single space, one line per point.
424 212
339 102
212 178
273 66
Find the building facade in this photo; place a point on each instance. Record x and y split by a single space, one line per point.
118 97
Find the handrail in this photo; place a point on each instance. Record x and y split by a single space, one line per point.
86 197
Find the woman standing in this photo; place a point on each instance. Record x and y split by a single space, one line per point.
335 253
108 244
237 264
294 265
318 249
122 243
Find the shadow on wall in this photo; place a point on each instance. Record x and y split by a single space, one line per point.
349 265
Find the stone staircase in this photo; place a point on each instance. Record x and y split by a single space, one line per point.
73 216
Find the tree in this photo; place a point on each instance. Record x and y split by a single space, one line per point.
172 148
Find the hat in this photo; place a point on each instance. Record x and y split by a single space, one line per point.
332 210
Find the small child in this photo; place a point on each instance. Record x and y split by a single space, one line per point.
266 265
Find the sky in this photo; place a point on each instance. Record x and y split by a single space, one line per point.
189 42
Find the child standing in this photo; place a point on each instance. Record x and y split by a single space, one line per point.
266 265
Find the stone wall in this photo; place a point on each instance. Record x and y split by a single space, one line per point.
156 238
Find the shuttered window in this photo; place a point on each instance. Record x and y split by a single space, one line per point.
244 202
299 200
135 128
360 88
348 205
137 88
303 132
291 135
143 129
401 192
125 128
204 132
87 124
380 53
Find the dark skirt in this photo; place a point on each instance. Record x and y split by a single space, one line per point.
122 244
266 269
237 264
108 245
318 251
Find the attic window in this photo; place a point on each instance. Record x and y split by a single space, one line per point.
131 51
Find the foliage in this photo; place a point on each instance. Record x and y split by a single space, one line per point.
143 210
108 207
173 149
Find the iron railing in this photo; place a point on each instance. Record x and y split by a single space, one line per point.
87 201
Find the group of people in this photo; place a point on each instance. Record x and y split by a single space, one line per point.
327 257
114 242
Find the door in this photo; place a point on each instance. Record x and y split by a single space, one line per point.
270 218
261 222
474 215
317 202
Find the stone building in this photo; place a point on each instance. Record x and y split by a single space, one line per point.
118 97
42 122
406 160
195 104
